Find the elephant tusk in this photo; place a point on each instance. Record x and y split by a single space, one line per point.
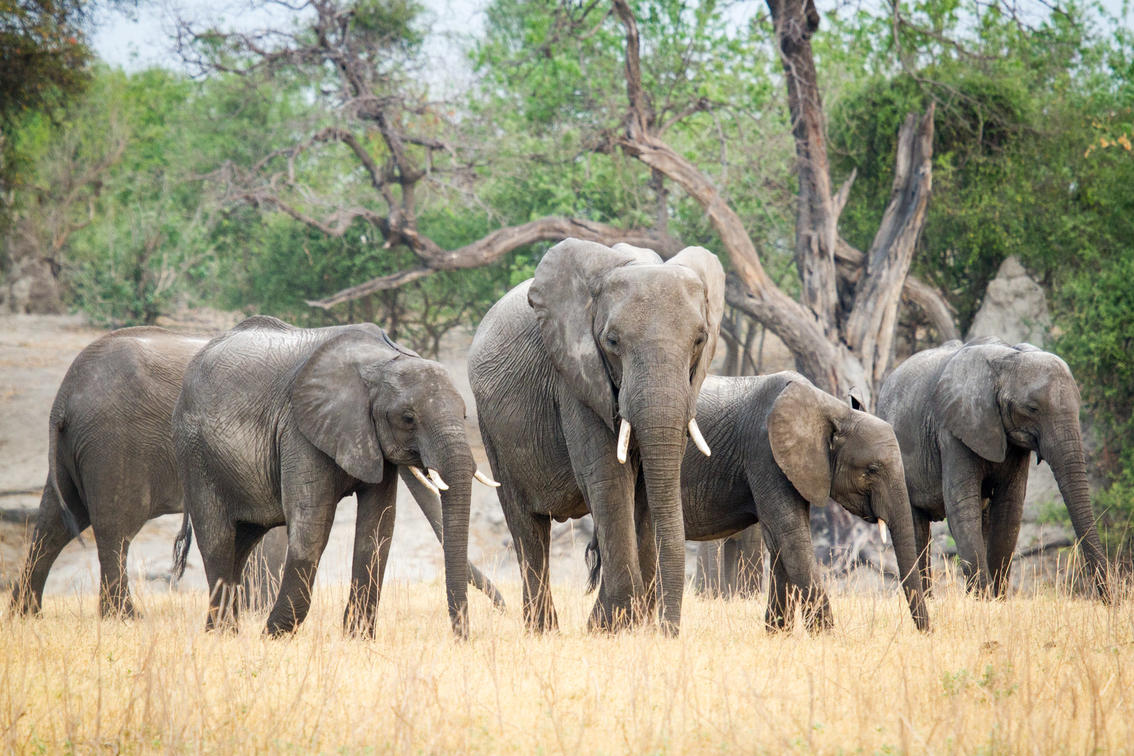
417 473
485 479
882 530
437 479
698 439
623 440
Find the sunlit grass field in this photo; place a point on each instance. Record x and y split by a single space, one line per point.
1039 673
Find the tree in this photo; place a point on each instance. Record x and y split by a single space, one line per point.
358 58
43 61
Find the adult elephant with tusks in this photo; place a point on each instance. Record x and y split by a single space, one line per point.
582 375
275 424
968 417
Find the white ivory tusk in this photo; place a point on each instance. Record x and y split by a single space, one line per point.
698 439
882 530
623 440
437 480
485 479
417 473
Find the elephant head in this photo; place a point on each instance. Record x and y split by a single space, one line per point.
991 395
364 401
830 451
632 338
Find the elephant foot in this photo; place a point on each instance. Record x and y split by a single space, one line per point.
24 603
612 619
118 611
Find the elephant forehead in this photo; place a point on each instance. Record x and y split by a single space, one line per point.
655 281
1039 374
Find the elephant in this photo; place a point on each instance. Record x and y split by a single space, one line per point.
967 417
111 464
781 445
583 375
110 458
731 567
275 424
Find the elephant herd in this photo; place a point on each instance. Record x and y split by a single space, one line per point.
593 395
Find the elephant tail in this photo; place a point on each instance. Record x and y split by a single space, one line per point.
594 564
181 547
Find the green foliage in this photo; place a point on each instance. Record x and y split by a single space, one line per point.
43 62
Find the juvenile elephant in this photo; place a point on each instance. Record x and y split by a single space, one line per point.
583 375
110 457
275 424
779 446
111 463
967 417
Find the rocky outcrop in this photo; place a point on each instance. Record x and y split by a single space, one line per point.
1014 308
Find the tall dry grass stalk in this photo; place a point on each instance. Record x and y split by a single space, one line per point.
1037 673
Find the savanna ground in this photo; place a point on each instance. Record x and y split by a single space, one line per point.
1041 672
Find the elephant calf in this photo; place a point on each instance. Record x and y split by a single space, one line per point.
276 424
779 446
968 417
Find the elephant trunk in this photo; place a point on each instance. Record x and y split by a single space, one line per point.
1063 449
456 465
660 427
894 508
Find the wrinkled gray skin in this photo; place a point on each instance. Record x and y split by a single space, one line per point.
968 418
598 335
780 445
111 463
275 424
110 457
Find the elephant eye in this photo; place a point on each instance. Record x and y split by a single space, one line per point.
873 469
409 418
701 339
612 340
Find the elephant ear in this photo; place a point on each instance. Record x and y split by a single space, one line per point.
331 403
801 430
965 402
562 294
708 268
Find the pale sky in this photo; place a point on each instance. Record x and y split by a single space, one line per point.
148 39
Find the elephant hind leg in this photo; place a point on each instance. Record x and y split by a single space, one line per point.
114 586
51 534
921 543
217 544
531 534
306 541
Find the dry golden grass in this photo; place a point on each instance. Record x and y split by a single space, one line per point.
1043 673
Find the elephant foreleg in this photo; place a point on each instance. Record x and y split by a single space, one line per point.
961 489
647 560
374 530
1006 510
780 615
791 534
